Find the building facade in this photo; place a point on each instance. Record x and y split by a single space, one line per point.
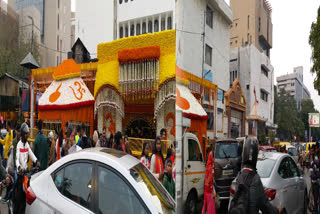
256 76
133 19
203 50
55 28
251 24
293 83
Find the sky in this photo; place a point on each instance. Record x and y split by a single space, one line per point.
292 21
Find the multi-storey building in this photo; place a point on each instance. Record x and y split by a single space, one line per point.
202 42
293 84
55 28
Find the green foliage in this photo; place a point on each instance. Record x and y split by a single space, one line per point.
287 118
314 41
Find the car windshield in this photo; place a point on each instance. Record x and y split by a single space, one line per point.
292 151
226 150
153 188
264 167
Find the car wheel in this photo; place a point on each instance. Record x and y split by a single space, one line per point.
191 204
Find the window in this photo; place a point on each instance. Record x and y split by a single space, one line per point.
236 41
251 127
121 32
209 16
138 30
132 30
109 185
248 21
264 95
210 121
150 26
126 31
259 23
169 23
264 167
248 87
285 169
293 166
156 25
74 182
58 43
58 22
144 28
264 71
163 24
225 150
194 151
58 4
61 49
125 1
57 60
208 56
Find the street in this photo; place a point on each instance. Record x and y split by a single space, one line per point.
224 204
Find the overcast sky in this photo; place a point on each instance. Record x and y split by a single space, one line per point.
291 27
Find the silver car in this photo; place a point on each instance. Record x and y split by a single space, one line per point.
283 181
97 180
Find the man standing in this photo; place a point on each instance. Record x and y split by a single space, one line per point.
7 142
41 147
84 142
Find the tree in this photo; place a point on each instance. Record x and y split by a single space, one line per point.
314 41
287 117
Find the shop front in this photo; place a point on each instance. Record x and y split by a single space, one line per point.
135 86
236 110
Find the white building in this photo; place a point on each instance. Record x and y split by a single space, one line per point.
144 16
256 75
208 58
94 23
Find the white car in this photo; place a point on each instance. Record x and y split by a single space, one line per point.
283 182
293 152
97 180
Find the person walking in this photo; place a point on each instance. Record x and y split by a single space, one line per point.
127 145
173 159
7 142
209 191
315 175
145 155
52 150
84 142
95 138
157 160
41 147
168 181
68 141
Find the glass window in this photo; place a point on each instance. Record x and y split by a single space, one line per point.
284 169
209 14
264 167
208 56
58 22
153 188
111 185
163 24
194 151
150 26
210 121
127 32
226 150
293 168
156 25
132 30
138 30
169 23
74 182
121 32
144 28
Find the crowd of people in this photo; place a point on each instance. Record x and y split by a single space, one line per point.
48 149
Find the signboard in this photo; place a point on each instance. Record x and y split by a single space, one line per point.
314 120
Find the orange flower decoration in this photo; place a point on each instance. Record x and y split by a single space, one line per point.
134 54
67 69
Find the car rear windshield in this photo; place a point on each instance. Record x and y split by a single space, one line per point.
226 150
292 151
153 189
264 167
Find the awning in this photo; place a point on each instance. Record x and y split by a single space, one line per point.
188 104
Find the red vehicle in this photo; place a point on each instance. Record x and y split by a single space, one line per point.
267 148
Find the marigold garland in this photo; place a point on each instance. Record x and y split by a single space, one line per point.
67 69
133 54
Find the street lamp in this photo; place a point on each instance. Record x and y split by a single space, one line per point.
31 34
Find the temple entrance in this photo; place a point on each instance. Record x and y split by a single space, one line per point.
140 128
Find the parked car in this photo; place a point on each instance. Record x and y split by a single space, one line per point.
284 184
226 166
97 180
267 148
